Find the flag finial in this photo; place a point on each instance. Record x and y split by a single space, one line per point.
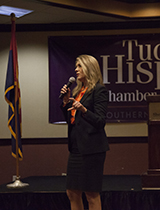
13 17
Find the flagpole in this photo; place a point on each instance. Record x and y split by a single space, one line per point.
16 129
17 183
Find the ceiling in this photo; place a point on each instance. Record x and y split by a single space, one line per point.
83 11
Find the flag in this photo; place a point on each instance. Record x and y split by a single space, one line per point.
12 96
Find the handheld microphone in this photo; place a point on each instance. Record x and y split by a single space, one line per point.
70 82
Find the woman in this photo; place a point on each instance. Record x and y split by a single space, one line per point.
85 114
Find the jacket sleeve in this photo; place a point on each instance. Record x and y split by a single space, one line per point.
96 116
65 112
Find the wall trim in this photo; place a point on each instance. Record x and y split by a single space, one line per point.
39 141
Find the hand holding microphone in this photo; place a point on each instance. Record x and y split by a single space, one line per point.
65 91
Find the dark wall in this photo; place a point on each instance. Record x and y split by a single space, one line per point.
51 160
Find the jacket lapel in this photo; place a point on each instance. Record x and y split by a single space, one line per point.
84 98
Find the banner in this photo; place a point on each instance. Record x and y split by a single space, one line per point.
130 67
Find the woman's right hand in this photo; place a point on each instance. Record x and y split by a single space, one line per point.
66 92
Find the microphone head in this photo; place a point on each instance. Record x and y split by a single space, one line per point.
72 79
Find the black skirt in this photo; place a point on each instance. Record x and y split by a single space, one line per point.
85 172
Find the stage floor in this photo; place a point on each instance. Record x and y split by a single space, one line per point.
57 184
121 192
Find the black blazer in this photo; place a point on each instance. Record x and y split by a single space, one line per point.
90 135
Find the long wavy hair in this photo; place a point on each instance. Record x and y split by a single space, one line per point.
92 72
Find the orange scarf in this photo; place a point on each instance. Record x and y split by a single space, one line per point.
78 98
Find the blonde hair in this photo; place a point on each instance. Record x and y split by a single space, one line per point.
92 72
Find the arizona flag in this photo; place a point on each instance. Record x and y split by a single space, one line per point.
12 96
